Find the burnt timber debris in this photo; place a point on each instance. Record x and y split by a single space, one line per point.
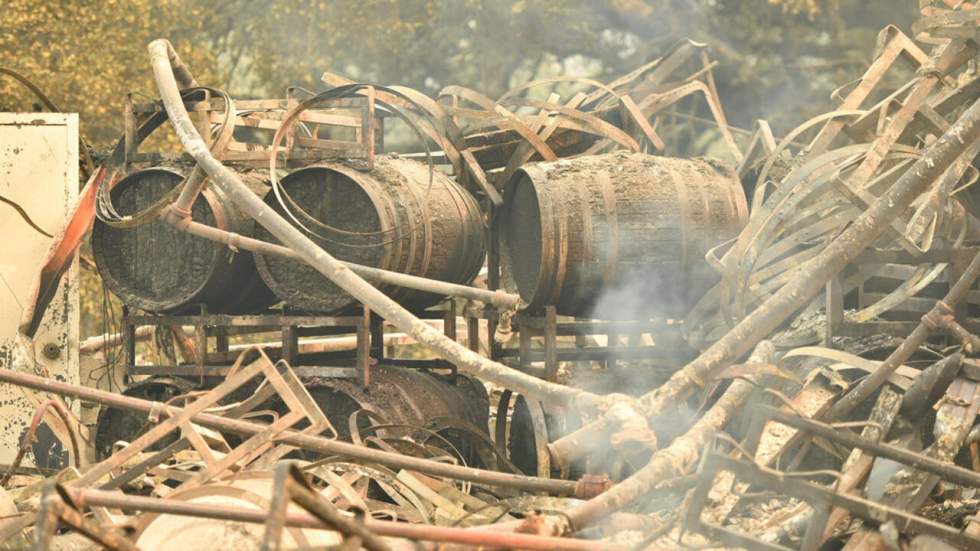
796 324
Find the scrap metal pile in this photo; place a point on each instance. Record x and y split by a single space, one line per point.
817 302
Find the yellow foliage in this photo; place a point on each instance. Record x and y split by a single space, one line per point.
87 54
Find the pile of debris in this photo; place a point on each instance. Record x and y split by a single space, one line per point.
834 397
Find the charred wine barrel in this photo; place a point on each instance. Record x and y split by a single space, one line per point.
406 398
428 408
390 218
158 268
618 236
123 425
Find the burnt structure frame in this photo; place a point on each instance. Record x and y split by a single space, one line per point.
221 326
958 259
823 499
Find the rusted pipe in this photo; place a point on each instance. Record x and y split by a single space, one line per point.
162 59
500 299
319 444
445 534
56 509
942 319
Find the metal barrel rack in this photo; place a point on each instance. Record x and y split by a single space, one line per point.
547 328
217 361
889 269
214 358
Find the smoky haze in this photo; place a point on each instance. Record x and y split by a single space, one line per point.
778 59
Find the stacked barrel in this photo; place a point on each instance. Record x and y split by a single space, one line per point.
607 236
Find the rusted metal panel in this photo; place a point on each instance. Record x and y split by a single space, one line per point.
39 174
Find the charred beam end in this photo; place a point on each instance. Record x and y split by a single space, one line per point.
674 460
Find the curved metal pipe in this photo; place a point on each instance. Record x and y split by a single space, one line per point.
167 70
467 361
85 497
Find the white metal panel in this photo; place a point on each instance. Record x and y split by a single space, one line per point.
39 172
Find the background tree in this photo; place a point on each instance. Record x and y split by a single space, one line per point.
779 59
86 54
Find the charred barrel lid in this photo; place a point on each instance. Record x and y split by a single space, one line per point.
158 268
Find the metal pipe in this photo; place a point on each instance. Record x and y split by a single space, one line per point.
96 343
500 299
319 444
163 58
54 511
445 534
188 194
